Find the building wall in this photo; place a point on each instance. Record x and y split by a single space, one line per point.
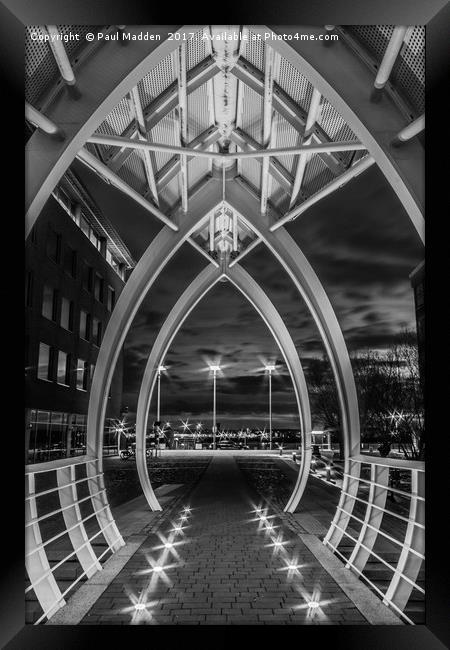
417 278
79 267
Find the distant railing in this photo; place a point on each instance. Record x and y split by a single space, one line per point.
369 519
75 511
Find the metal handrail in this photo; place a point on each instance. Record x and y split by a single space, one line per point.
56 566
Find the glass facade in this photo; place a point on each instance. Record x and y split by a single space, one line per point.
54 435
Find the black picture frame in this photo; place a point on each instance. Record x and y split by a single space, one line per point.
14 14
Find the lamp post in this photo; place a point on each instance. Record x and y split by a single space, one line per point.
215 370
270 369
158 407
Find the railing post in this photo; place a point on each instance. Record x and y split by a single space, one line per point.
373 518
101 506
409 564
350 486
68 498
36 561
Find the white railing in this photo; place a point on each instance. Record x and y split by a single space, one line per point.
44 583
412 543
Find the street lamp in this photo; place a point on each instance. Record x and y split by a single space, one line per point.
215 370
270 369
158 405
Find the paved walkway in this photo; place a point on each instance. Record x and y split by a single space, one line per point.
221 565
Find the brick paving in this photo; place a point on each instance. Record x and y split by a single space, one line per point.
223 567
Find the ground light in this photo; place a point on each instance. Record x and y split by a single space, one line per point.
313 605
139 607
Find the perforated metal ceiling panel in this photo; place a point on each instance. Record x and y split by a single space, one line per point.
252 110
409 70
156 81
166 132
198 112
196 49
286 136
133 172
294 84
40 66
317 175
408 74
254 51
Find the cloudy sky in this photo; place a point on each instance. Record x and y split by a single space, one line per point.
362 246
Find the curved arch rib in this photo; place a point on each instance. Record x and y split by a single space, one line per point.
185 304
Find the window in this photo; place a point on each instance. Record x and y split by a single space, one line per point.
44 363
87 277
70 262
95 239
91 373
85 325
111 298
84 226
67 314
98 287
63 369
29 289
96 331
49 302
53 245
82 374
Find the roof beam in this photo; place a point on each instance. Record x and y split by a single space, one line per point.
201 250
104 172
140 121
160 107
40 121
337 183
172 167
60 54
390 56
285 106
253 244
413 129
276 169
319 148
182 120
313 112
267 123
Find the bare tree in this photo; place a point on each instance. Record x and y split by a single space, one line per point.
389 391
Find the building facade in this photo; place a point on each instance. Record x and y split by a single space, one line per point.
75 269
417 278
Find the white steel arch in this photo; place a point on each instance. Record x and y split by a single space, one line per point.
198 288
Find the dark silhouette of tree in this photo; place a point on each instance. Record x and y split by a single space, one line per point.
390 396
